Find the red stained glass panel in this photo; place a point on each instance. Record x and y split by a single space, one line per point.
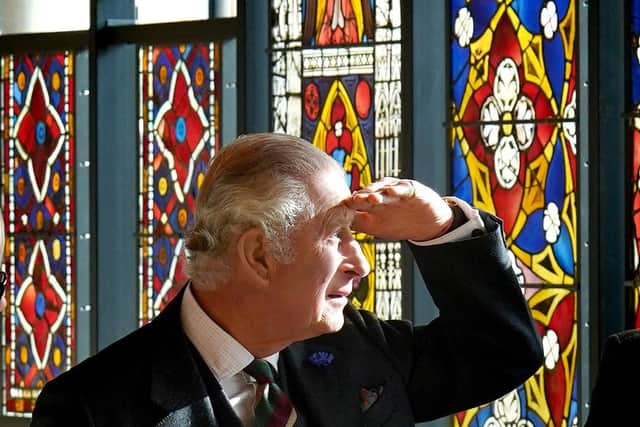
179 110
38 143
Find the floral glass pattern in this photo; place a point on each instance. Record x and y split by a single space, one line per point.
514 148
634 62
38 167
336 82
178 125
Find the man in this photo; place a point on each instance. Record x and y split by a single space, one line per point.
614 396
272 262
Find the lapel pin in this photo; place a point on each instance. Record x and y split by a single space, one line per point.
321 359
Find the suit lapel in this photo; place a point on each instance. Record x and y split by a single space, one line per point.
314 373
176 384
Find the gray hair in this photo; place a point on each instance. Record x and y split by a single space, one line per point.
258 181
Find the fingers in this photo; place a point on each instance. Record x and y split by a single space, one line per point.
361 222
365 201
384 183
402 188
384 191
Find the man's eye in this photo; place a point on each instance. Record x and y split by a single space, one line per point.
342 233
339 233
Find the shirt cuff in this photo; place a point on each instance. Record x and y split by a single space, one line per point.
463 232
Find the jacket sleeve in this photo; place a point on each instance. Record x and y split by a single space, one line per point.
482 345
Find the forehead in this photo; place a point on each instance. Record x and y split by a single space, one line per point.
329 189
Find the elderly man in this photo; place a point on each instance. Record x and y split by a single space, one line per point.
263 333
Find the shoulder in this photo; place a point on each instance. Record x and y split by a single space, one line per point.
124 359
623 345
102 384
619 359
391 338
127 356
617 372
630 337
368 323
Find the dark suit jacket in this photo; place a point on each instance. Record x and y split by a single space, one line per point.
382 373
615 395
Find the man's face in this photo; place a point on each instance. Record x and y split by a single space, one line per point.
312 291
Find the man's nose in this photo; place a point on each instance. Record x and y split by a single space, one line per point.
355 261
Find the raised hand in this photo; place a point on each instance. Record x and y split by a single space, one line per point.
399 209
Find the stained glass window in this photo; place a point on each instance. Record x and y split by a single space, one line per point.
513 144
634 62
336 82
178 127
38 164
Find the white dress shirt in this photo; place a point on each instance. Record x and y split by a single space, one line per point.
227 358
465 231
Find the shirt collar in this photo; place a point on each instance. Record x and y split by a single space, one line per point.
221 352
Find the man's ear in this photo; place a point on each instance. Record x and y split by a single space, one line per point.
253 254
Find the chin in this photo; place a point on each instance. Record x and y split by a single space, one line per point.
333 323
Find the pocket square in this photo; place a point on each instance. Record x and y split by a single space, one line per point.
369 396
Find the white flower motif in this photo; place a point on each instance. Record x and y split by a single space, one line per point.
551 222
506 412
551 349
507 161
574 422
549 19
338 128
507 105
516 269
569 127
463 27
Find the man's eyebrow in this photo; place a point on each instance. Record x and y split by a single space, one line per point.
339 214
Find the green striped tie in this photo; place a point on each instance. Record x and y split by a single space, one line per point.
273 407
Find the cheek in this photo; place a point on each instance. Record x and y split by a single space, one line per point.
325 270
315 273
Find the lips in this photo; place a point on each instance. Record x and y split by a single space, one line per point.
340 293
345 290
